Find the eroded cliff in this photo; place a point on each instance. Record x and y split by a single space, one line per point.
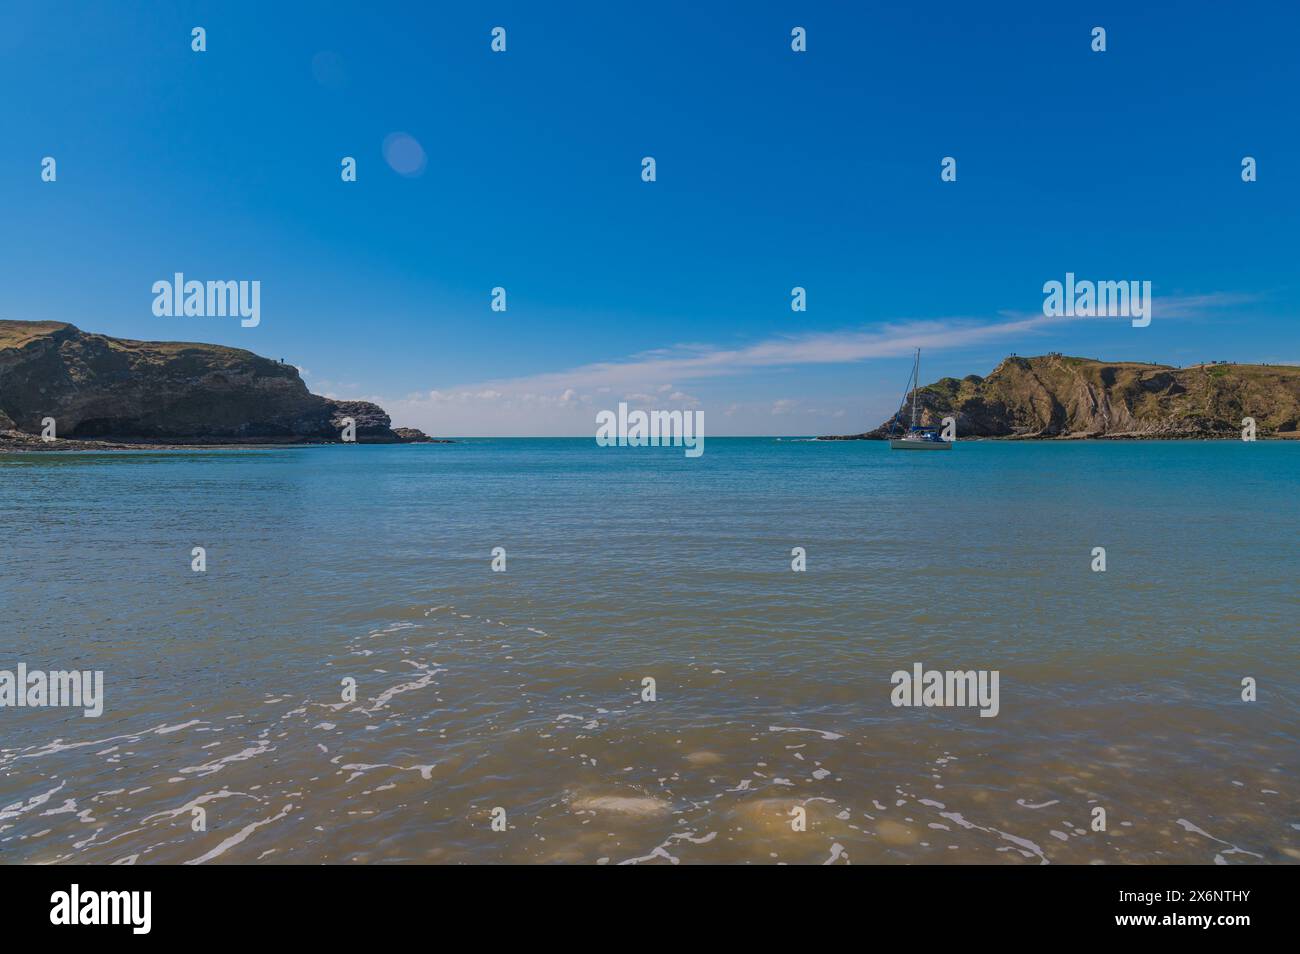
114 389
1059 396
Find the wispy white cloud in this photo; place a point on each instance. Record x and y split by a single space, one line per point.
559 399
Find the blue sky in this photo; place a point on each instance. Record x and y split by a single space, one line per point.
775 169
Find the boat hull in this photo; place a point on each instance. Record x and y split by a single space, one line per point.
903 444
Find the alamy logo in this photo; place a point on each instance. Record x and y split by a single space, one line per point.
1088 299
651 429
953 687
36 689
103 907
179 298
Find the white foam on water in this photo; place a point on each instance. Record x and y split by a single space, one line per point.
1025 843
36 801
1024 804
238 837
1233 849
261 747
828 736
196 802
837 852
360 768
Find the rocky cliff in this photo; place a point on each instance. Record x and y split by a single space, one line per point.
112 389
1055 396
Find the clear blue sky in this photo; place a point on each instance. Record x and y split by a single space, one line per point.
775 169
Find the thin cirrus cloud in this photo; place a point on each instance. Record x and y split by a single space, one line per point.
555 398
641 373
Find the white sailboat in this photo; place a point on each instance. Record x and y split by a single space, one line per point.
917 437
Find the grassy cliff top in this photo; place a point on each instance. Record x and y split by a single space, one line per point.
16 334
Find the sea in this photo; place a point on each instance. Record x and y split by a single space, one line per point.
545 651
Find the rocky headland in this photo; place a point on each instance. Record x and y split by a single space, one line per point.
1054 396
107 393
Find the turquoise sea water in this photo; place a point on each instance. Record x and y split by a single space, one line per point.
522 690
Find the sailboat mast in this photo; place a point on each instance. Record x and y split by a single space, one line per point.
916 383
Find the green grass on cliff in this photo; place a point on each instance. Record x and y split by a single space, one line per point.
16 334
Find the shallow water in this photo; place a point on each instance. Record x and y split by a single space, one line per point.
522 690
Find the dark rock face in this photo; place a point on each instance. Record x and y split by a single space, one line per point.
371 422
101 388
1058 396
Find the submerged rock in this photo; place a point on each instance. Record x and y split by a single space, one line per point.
641 805
703 758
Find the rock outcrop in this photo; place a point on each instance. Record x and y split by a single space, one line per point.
1055 396
106 389
413 435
